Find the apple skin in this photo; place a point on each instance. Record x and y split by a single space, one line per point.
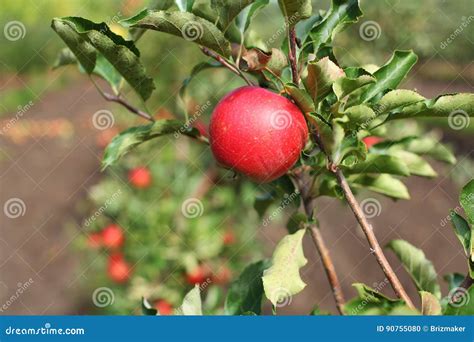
164 307
140 177
228 238
371 141
113 236
257 133
198 275
118 269
94 240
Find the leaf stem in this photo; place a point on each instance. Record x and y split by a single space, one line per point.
226 63
320 245
292 55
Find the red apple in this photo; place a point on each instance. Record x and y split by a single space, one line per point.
198 275
371 141
94 240
118 269
164 307
113 236
258 133
228 238
140 177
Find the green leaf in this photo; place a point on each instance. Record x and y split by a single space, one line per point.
420 269
282 280
228 10
359 115
379 163
391 74
462 230
430 147
397 98
80 47
454 280
467 200
134 136
341 14
382 184
192 305
82 36
184 5
148 309
464 306
458 106
246 15
296 221
245 294
321 75
301 97
184 25
430 305
295 10
372 302
345 85
416 165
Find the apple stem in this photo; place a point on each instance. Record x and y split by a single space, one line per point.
292 55
372 239
226 64
320 245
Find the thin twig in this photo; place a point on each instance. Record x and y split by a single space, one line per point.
373 242
292 55
318 240
121 101
226 63
467 282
